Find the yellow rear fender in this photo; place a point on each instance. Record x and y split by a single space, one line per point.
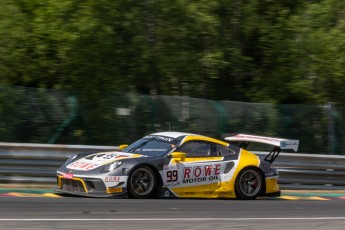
246 159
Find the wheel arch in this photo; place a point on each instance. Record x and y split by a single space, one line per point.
155 170
263 190
151 166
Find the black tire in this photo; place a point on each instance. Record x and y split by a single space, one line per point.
249 184
142 183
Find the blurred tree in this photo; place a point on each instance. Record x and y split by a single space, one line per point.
319 50
246 50
13 43
301 53
261 51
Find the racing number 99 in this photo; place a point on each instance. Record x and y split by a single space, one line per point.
172 175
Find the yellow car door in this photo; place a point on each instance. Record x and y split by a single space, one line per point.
194 170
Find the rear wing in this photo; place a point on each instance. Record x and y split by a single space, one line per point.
278 143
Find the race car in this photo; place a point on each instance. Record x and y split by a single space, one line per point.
176 165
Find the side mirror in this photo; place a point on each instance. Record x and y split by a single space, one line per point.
178 155
122 147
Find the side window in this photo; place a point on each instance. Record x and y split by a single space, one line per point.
225 151
197 149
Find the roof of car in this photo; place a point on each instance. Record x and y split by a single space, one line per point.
175 134
197 136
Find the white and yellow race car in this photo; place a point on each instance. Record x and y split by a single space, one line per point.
176 165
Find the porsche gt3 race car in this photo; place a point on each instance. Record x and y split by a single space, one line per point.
176 165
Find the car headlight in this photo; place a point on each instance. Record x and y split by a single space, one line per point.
112 166
71 158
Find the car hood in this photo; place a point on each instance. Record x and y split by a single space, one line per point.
96 160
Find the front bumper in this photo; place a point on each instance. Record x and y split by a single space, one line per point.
93 187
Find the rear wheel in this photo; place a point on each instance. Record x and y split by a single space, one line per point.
249 184
142 183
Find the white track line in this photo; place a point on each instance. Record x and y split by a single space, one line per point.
183 219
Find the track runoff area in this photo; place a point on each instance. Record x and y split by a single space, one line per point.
45 210
286 194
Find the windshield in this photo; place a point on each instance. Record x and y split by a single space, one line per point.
152 145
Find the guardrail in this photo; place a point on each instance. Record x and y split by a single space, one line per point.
310 171
37 164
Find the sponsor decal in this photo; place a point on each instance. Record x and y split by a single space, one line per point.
283 143
82 165
167 194
201 173
166 139
114 190
166 167
200 179
172 175
258 137
196 174
112 179
289 144
102 157
97 160
67 175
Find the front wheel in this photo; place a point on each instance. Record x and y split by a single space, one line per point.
249 184
142 183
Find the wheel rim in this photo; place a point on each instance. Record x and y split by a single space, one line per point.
250 183
142 181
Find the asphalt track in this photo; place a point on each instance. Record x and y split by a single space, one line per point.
90 213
